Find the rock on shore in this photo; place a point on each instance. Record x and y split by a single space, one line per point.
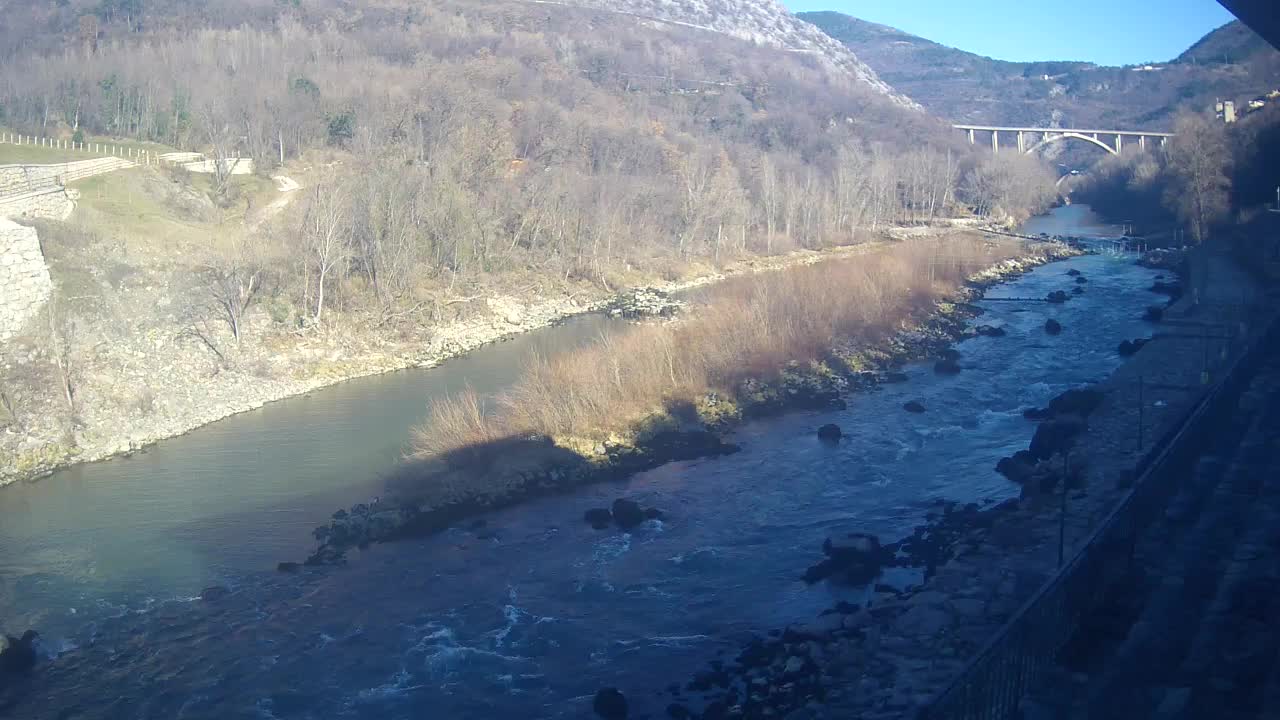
643 303
1162 259
852 558
528 467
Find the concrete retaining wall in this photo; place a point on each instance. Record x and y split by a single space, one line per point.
25 285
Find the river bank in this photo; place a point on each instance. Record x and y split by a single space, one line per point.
890 656
153 391
431 494
531 611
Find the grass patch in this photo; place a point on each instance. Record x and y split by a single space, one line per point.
136 207
751 328
35 155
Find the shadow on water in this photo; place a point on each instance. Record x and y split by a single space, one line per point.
235 496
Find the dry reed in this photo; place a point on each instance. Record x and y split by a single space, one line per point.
750 327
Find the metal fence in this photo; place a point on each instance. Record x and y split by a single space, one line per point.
994 681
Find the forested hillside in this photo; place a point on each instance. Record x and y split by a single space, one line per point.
454 156
1232 62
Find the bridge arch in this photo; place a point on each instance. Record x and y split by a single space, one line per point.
1072 136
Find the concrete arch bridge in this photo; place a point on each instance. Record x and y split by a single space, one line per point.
1030 139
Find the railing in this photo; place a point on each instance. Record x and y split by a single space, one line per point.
994 681
130 152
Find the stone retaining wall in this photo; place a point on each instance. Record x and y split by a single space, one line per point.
17 179
55 203
25 285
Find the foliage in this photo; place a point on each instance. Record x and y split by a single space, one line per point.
1205 178
1198 160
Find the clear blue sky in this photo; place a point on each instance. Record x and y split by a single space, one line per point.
1107 32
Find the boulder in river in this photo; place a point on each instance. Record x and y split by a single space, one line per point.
1057 297
610 704
627 513
1073 272
990 331
895 377
1053 327
598 518
914 406
830 433
17 655
1077 290
946 366
1153 314
1081 280
288 567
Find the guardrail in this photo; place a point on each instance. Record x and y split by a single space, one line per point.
993 682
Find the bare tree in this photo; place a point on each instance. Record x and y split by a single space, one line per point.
63 339
1199 159
233 276
325 236
220 136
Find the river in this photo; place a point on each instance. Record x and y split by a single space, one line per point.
528 613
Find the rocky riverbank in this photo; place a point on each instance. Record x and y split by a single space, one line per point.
516 469
156 386
890 657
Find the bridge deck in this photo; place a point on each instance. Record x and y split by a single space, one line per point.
1127 133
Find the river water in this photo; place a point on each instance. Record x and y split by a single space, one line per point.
532 611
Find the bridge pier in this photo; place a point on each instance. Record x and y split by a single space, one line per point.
1031 139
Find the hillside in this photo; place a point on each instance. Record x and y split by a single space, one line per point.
461 163
48 27
765 22
1231 62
